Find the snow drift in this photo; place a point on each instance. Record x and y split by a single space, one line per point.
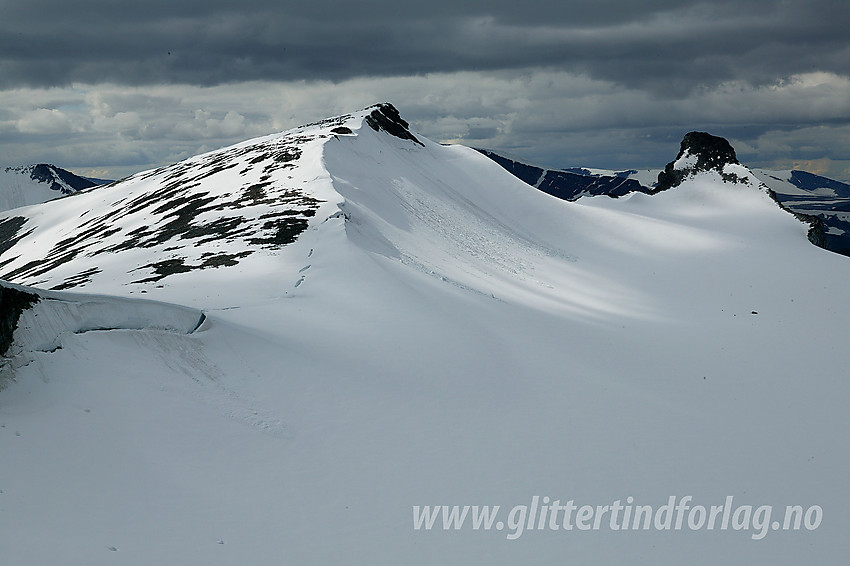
43 319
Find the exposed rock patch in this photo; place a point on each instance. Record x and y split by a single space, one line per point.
387 118
12 303
699 152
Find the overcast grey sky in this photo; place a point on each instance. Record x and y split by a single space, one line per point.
109 87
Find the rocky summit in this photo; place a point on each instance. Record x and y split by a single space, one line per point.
698 152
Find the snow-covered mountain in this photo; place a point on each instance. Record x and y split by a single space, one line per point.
819 199
34 184
346 322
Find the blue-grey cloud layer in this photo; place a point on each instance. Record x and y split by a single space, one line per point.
668 47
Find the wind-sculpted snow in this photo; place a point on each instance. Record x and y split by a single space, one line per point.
40 321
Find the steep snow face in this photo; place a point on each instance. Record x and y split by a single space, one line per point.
448 213
35 184
441 333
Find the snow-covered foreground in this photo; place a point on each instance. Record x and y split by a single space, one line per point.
442 334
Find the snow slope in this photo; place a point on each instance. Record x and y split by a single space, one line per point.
439 333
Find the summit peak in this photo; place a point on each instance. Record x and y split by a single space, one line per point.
698 152
386 117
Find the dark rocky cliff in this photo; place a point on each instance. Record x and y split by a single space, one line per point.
12 303
712 153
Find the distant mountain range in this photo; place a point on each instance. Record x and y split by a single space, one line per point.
34 184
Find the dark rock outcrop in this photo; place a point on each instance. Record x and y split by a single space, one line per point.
12 303
386 117
712 153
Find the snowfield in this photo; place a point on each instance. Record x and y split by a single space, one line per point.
435 332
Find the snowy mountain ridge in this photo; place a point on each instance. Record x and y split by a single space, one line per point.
822 203
240 207
209 211
347 321
34 184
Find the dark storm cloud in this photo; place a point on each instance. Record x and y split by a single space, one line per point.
667 47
